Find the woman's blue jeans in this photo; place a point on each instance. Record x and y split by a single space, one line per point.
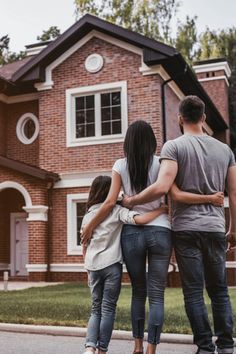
201 259
105 287
142 245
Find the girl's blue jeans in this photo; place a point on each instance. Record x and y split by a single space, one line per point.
105 287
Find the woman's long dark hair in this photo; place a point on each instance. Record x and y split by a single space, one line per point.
98 191
139 147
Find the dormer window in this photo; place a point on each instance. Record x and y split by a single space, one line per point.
96 114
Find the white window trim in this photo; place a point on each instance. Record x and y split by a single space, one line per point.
20 128
72 200
70 114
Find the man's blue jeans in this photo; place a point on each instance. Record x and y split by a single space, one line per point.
142 244
105 287
201 259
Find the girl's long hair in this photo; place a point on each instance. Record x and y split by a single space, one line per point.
139 147
98 191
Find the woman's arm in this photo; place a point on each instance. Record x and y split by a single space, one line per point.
149 216
177 195
105 208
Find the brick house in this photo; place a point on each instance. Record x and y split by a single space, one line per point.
64 111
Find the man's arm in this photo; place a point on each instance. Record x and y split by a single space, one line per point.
216 199
231 189
166 177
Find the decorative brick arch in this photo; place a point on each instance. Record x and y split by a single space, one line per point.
20 188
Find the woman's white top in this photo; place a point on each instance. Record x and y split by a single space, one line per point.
121 167
104 248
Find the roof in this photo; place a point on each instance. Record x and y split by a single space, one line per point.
8 70
32 70
28 169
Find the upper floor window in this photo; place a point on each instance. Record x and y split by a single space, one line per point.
96 114
27 128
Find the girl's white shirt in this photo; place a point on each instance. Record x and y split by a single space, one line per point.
104 248
121 167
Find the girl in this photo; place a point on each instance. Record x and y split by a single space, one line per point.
103 260
151 242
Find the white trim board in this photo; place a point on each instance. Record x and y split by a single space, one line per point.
202 68
75 179
213 78
36 268
19 98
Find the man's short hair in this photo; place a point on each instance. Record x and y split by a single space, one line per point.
191 109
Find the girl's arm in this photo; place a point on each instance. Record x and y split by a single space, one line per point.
149 216
105 208
177 195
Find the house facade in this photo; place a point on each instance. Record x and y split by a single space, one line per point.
64 111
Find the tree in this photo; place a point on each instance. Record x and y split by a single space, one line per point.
6 56
148 17
187 38
50 34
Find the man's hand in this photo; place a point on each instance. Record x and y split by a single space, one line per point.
85 234
217 199
127 202
231 238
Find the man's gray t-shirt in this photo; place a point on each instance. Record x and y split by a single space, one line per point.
203 163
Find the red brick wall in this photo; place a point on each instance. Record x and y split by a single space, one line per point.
15 149
143 103
3 121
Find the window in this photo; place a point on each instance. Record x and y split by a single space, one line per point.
75 211
96 114
27 128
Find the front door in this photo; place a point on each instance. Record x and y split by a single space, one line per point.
19 244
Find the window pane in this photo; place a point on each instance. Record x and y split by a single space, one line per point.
90 130
80 131
90 101
106 128
29 128
116 113
116 127
106 114
81 207
115 98
79 103
80 117
90 116
105 99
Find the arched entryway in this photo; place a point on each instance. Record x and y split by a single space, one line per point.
13 228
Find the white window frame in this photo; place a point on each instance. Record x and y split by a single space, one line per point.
20 128
72 200
96 90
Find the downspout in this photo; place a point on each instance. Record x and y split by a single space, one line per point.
49 231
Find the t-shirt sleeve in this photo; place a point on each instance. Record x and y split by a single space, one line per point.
127 216
117 166
169 151
231 158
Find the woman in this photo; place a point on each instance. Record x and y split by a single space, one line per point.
149 243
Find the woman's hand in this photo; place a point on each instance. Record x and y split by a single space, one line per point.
127 202
231 239
86 234
217 199
164 208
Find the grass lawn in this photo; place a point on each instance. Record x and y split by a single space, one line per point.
69 305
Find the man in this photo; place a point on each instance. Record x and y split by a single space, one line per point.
200 164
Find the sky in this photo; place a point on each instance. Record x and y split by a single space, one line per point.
25 20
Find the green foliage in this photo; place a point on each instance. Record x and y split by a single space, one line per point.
148 17
5 55
50 34
186 39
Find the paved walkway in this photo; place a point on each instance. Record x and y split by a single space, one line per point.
23 343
